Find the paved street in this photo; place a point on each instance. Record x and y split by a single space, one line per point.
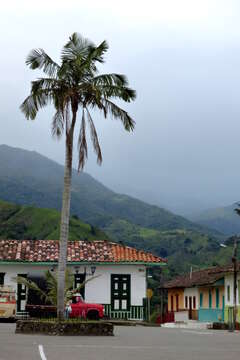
132 343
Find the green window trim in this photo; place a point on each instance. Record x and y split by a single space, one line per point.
210 299
201 300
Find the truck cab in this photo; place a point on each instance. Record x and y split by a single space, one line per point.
80 308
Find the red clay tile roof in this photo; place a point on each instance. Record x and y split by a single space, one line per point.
201 277
90 251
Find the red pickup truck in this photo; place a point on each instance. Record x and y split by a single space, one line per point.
79 308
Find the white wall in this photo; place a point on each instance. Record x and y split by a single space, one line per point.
191 292
97 290
100 288
228 281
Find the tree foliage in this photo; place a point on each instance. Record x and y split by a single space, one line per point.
76 83
50 295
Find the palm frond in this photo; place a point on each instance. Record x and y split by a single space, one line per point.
29 107
58 124
114 85
31 285
69 279
33 103
43 91
94 138
90 279
110 79
38 59
96 53
237 210
50 279
123 93
76 48
117 113
51 286
80 286
82 143
45 84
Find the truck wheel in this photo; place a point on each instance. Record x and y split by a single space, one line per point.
93 315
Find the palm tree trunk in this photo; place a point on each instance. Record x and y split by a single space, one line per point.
64 230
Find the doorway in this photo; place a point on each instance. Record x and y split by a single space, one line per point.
120 292
190 307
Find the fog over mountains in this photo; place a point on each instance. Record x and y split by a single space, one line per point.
28 178
182 57
223 219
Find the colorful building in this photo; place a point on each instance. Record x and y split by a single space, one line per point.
200 294
229 295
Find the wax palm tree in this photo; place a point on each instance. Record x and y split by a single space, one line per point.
70 86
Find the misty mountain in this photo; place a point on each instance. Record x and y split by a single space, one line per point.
29 178
222 219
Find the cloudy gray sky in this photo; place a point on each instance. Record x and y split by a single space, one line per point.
182 57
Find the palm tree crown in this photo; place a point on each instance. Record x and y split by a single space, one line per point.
74 84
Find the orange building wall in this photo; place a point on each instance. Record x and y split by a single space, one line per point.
174 292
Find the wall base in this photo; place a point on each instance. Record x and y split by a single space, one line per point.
81 328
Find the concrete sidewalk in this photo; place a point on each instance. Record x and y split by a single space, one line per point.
190 324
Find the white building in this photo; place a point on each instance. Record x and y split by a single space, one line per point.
120 283
229 295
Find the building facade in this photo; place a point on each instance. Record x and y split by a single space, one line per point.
229 297
199 293
118 272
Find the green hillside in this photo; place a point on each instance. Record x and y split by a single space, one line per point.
27 178
25 222
223 219
182 248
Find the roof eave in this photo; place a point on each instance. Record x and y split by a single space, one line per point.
52 263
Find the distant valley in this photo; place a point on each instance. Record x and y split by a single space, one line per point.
28 178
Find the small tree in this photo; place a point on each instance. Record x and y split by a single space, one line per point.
70 86
52 285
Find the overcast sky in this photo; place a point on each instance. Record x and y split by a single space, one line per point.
182 57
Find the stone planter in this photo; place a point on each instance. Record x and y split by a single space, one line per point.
79 328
